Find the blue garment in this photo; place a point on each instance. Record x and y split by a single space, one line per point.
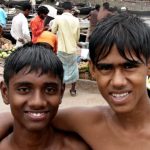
3 17
71 72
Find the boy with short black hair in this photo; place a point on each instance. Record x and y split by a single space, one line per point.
33 86
120 52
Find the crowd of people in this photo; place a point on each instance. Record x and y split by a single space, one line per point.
34 85
55 31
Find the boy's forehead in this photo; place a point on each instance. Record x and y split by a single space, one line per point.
34 77
114 54
27 71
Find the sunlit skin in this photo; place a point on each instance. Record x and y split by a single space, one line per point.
34 98
121 82
124 124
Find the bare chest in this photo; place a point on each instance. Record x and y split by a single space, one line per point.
116 140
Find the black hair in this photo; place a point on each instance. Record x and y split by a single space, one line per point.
67 6
26 6
97 6
129 33
35 56
42 10
106 5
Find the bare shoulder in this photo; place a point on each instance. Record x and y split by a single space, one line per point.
89 114
73 141
83 117
4 143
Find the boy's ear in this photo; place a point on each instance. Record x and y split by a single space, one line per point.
92 69
4 92
62 92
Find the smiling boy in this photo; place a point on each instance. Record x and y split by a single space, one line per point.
33 86
120 52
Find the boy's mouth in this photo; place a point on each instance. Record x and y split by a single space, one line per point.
119 98
37 116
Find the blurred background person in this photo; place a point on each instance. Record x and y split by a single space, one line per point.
92 17
20 28
37 23
104 11
67 28
3 17
33 3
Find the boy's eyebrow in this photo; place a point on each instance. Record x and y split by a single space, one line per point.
30 83
105 64
133 62
126 62
22 83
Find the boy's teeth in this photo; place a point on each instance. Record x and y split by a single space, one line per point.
36 114
120 95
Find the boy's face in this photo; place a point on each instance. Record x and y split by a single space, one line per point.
34 99
121 83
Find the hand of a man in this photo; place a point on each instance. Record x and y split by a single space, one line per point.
21 40
46 28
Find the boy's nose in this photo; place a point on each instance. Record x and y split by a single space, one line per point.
118 80
37 101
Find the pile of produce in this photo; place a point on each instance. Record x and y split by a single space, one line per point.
83 66
6 50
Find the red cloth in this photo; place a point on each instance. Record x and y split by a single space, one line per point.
37 27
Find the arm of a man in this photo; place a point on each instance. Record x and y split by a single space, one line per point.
54 27
76 119
6 125
12 32
25 30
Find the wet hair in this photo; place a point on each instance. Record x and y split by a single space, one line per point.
26 6
106 5
67 6
127 32
42 10
35 57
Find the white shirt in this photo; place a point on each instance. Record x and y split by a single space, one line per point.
20 29
52 11
33 2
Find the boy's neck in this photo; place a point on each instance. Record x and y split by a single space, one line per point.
24 140
136 119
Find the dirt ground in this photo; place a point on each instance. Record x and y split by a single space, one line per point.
87 95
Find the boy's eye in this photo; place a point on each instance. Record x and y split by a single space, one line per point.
23 89
104 67
130 65
50 90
